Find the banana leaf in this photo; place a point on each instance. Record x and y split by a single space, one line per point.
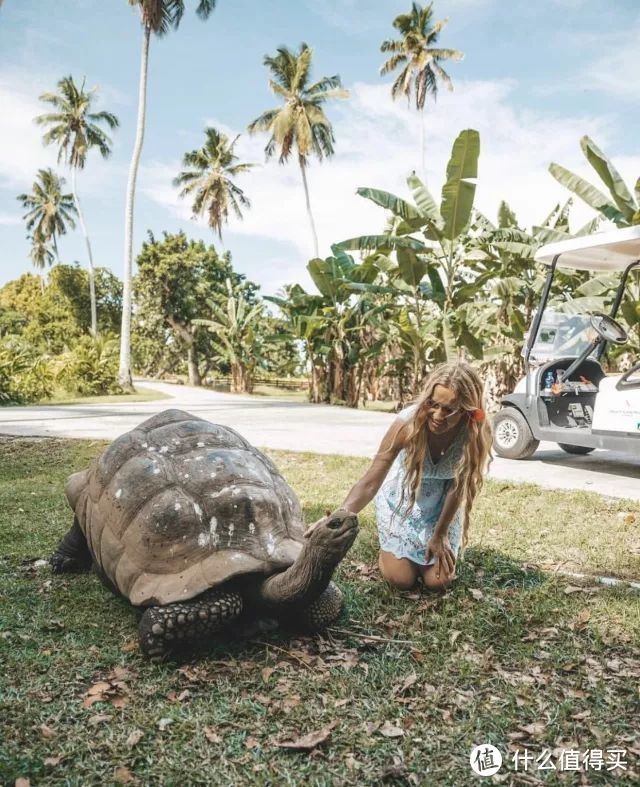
458 192
385 199
610 177
425 201
380 242
411 267
587 193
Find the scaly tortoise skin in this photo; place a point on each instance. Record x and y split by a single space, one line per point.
187 519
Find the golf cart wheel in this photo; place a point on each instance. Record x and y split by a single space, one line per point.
512 438
580 450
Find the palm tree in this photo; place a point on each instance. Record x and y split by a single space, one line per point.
49 211
208 177
75 129
159 17
300 123
421 61
41 254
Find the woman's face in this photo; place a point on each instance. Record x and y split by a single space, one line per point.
443 410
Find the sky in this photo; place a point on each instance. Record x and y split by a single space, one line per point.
534 79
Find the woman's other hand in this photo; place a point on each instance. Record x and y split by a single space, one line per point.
440 549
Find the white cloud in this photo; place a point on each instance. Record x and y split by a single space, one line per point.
613 68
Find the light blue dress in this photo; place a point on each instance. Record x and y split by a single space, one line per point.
408 536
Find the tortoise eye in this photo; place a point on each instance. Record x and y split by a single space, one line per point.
334 524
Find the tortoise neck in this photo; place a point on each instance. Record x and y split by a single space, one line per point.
302 582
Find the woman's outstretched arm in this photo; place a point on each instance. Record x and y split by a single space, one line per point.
364 490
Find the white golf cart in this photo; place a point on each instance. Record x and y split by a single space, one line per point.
565 396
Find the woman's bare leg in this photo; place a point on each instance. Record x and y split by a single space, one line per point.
436 579
399 572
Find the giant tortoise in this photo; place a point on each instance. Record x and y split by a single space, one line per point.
193 524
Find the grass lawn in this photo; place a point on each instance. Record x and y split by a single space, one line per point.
141 394
402 688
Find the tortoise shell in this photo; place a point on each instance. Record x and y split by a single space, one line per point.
180 505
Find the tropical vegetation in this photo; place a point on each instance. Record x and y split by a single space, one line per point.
422 71
207 177
436 279
158 17
300 125
76 130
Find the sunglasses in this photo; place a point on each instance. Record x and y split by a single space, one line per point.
447 412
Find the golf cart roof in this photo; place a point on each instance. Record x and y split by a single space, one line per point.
613 250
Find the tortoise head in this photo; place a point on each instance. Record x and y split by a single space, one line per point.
333 535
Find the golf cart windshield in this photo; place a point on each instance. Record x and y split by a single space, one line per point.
562 335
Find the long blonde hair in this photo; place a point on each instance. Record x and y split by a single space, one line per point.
465 382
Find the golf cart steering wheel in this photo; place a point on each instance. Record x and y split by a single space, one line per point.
608 329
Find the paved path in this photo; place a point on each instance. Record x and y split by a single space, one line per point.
298 426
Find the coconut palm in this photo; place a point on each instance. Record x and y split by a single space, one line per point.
208 179
158 17
41 253
421 60
49 211
300 124
75 130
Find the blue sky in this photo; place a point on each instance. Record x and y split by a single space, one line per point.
535 78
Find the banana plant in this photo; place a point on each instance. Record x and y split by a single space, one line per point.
429 274
621 206
236 337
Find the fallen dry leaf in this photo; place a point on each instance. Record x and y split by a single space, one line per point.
477 594
251 743
53 761
47 732
99 718
309 741
22 782
134 738
537 728
129 646
389 730
266 673
164 723
123 775
211 735
341 703
407 683
582 715
371 726
453 637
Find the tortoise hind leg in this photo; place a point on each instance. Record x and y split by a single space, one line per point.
187 623
72 553
316 616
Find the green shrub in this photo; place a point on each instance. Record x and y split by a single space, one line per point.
90 366
25 374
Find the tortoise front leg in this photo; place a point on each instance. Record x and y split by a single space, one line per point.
72 553
317 615
187 623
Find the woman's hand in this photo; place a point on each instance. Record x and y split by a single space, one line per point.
440 549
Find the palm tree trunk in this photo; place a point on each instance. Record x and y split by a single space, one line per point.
306 194
92 284
124 372
422 147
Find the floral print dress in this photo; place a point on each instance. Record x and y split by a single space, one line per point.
408 536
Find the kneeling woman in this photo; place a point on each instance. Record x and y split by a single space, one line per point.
425 477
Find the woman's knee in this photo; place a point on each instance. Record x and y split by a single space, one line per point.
432 581
398 572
